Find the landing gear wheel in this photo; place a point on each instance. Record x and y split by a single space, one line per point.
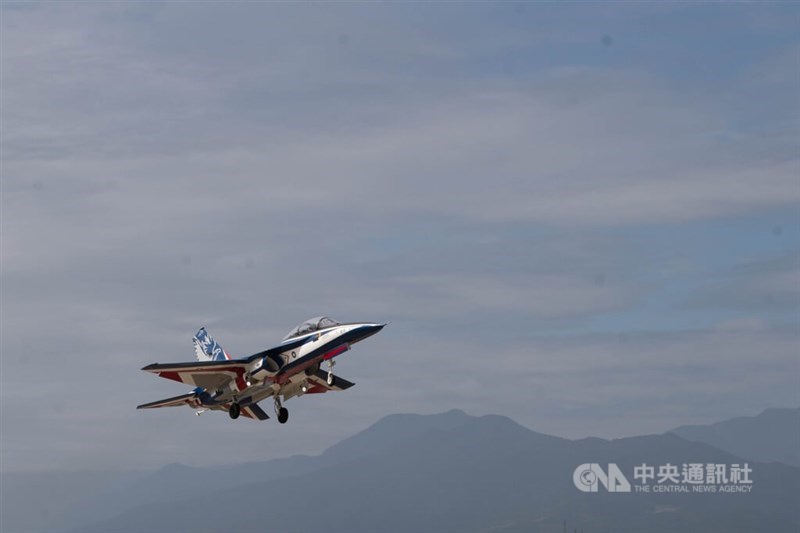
234 411
331 378
283 415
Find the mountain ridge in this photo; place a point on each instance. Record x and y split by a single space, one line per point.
441 472
741 435
453 471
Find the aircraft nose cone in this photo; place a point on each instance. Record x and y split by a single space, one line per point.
367 330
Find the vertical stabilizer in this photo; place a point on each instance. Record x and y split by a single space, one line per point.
207 349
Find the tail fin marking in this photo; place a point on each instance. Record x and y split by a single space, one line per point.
207 349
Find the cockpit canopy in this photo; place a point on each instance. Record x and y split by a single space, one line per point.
311 325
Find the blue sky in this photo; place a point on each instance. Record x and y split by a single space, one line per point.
580 215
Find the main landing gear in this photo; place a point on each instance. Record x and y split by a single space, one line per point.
283 414
281 411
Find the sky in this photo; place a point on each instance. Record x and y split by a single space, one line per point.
583 216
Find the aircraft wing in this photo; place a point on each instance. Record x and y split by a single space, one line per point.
321 384
212 375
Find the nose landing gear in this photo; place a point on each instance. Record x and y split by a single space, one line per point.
331 378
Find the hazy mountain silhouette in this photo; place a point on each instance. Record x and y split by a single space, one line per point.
773 435
448 472
173 479
34 501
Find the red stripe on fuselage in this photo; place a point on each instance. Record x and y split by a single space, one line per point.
336 351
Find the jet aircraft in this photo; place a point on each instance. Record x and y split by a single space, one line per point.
293 368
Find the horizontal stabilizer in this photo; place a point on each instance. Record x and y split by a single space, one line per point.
183 399
255 412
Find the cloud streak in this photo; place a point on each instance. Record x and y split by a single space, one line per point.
526 204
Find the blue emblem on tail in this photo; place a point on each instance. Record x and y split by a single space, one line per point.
207 349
